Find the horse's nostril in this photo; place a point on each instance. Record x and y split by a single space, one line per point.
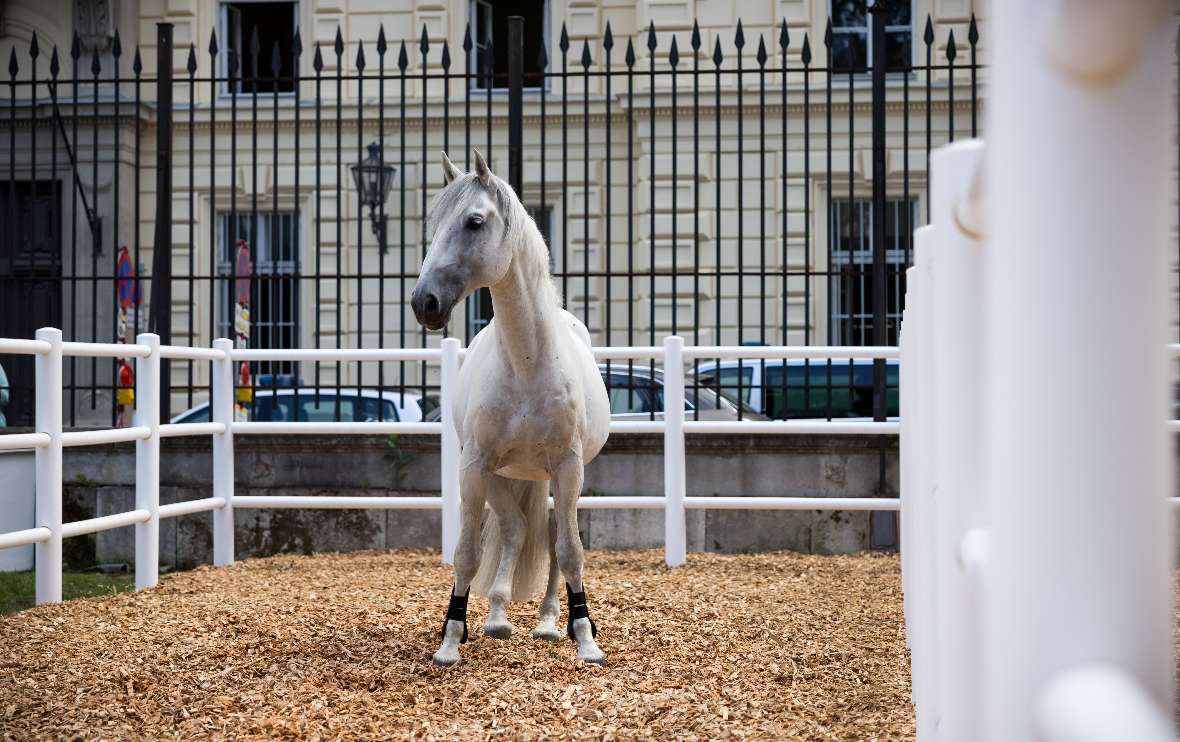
431 304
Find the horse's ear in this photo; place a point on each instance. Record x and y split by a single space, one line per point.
450 172
482 171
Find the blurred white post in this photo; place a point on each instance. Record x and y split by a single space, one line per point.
954 270
675 539
1076 285
449 449
47 554
147 463
905 449
920 505
1099 702
222 404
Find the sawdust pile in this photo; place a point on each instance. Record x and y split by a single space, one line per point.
769 646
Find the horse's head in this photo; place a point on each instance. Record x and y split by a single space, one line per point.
469 249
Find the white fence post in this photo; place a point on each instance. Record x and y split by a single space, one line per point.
147 463
1078 462
919 502
675 539
449 449
48 467
954 317
222 404
906 454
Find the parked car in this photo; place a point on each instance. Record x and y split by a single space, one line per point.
305 405
638 394
842 388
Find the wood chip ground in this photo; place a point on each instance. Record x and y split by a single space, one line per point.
768 646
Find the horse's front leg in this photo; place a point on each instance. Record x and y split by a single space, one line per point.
510 522
567 487
473 493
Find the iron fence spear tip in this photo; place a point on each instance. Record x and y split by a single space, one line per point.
951 51
381 43
116 46
973 32
674 53
651 36
403 60
297 43
739 37
608 39
424 43
564 42
339 44
717 56
34 46
695 40
213 42
95 65
828 33
761 55
928 34
586 55
446 56
54 66
784 36
360 56
806 49
467 37
191 64
75 46
629 58
137 63
317 62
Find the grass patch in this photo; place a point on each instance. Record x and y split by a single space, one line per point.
17 588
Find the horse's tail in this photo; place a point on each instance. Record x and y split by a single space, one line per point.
532 567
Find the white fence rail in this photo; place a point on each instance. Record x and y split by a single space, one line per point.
146 432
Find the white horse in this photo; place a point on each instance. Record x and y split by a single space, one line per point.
531 411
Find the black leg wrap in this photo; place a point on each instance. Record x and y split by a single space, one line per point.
456 611
577 609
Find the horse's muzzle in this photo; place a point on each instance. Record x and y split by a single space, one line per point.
430 311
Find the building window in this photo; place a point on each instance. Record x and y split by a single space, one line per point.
275 21
490 20
274 282
852 36
479 305
850 259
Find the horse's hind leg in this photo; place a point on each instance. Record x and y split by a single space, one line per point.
551 604
567 483
454 631
511 522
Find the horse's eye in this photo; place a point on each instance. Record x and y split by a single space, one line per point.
475 221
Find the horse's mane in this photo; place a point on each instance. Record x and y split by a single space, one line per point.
519 227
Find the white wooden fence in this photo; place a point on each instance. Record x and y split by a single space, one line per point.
146 431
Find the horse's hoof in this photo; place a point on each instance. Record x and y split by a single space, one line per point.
547 633
445 660
598 658
498 631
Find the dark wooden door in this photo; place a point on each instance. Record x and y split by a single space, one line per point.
30 280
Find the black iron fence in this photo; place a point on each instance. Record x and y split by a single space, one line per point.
731 187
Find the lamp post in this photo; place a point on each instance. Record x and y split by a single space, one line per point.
374 180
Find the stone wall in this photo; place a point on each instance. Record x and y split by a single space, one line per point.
101 480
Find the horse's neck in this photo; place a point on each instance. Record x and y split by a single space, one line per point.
525 306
